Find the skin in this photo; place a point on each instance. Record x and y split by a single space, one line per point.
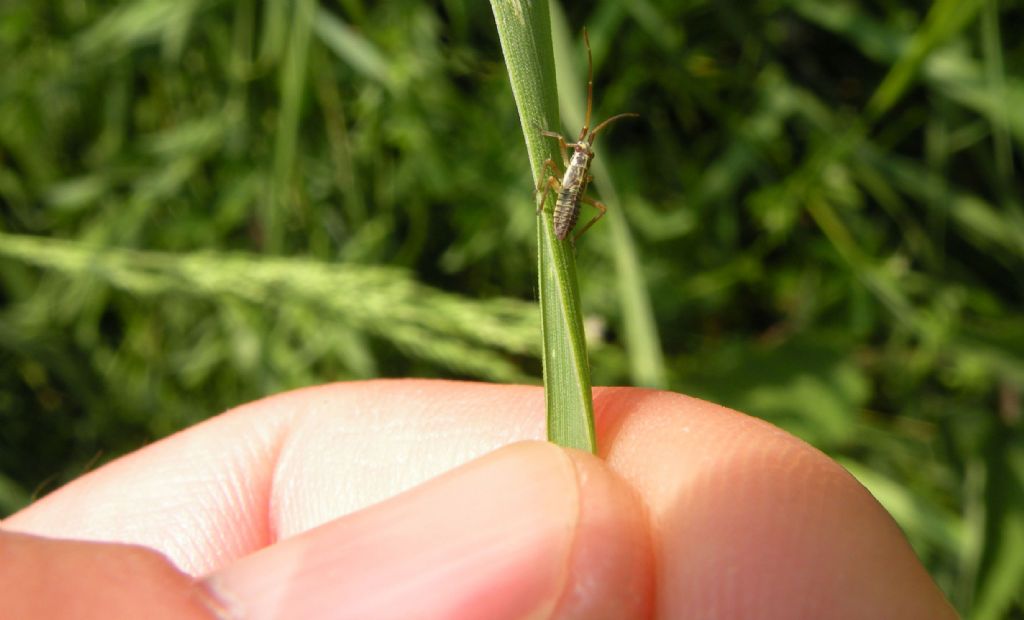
432 499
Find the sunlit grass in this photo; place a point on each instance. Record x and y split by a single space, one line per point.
819 221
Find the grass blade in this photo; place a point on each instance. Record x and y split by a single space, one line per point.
293 83
945 19
354 49
525 32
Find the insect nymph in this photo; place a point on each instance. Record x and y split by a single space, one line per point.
572 189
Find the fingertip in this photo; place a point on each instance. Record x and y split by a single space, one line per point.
748 520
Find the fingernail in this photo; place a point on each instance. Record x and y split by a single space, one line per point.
492 539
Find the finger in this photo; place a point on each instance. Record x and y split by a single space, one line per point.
749 521
270 469
529 531
46 578
199 496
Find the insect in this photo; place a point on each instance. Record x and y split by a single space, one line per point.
572 189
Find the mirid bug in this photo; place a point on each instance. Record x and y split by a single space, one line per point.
572 189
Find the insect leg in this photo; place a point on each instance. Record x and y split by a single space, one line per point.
562 145
551 184
547 184
549 164
597 205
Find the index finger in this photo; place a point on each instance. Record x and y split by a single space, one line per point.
269 469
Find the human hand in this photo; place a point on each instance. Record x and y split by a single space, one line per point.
275 510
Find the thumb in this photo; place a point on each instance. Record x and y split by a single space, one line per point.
530 530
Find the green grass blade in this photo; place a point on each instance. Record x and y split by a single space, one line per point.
525 32
293 83
1002 567
946 18
995 77
139 23
354 49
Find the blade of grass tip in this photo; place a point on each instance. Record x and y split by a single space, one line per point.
525 32
643 344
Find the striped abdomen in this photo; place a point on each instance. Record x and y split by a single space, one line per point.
567 211
574 184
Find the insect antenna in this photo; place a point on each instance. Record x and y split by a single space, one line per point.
590 86
608 121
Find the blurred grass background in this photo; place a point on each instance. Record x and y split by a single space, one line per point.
818 221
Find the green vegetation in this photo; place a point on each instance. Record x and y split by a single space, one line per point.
818 220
